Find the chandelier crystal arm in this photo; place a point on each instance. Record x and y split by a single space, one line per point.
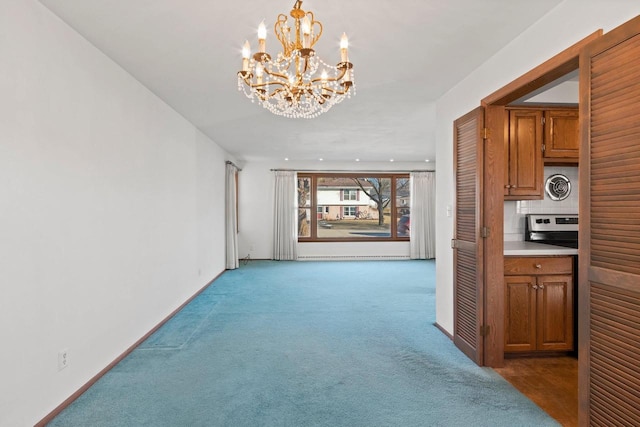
264 85
278 75
331 79
337 92
275 93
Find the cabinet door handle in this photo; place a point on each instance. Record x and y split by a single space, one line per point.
507 186
535 287
541 287
538 265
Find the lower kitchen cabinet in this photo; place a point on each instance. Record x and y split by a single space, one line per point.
538 304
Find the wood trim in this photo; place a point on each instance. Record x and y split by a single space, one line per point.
559 65
623 31
313 176
51 415
543 107
550 70
493 206
584 237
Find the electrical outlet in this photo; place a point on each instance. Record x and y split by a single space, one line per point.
63 359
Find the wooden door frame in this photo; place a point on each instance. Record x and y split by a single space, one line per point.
493 204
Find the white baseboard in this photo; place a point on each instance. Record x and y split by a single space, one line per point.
352 258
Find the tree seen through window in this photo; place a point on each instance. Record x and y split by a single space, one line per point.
353 207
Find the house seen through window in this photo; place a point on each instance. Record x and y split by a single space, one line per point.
353 207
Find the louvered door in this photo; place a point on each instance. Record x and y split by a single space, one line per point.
610 229
467 245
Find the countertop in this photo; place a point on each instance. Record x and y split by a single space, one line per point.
520 248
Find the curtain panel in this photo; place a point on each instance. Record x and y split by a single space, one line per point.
422 231
231 216
285 216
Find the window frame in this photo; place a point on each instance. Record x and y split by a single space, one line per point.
352 211
313 207
352 192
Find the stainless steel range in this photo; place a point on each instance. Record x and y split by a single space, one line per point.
552 229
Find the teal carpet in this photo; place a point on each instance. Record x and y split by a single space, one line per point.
305 344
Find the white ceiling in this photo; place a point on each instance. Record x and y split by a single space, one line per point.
406 55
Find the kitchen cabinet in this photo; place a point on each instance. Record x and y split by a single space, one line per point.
535 137
561 136
538 304
524 167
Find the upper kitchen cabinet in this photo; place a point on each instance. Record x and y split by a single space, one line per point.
537 136
561 140
524 171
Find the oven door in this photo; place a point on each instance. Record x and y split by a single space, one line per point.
568 239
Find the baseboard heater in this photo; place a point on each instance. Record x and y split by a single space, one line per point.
353 257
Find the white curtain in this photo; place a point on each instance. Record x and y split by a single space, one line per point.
285 215
422 230
231 216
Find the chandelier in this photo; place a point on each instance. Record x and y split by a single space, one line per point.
297 83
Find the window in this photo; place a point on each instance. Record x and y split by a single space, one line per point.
349 211
403 211
353 207
350 194
304 207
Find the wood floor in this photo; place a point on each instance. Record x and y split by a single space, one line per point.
550 382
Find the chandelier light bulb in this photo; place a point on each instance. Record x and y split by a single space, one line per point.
344 41
306 25
296 82
344 46
262 35
246 50
246 53
306 32
262 31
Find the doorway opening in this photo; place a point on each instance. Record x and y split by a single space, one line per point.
534 87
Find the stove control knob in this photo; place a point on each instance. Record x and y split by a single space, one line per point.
538 221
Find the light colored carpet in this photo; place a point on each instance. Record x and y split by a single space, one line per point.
305 344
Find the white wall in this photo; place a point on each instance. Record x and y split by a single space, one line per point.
565 25
111 211
256 191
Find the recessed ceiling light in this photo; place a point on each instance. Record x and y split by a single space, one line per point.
391 160
427 160
321 159
357 160
286 159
